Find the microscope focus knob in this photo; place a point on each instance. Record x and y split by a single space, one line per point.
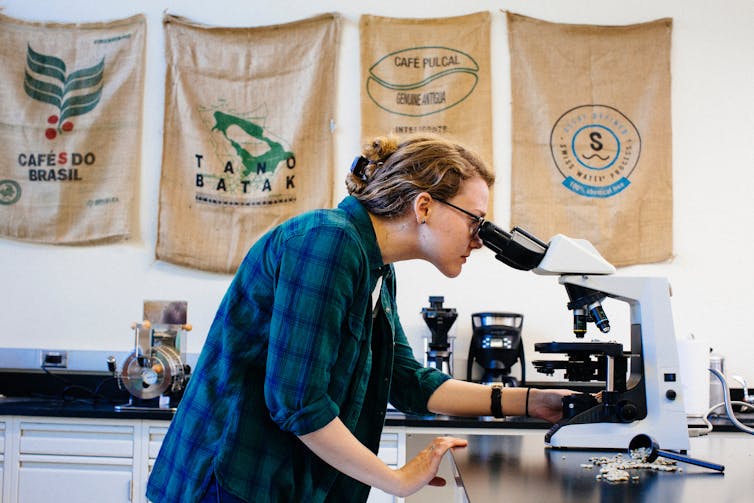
628 411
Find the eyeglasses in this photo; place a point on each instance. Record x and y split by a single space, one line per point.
478 221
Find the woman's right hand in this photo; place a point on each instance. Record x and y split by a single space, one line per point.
422 469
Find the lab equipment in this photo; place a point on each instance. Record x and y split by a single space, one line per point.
496 346
642 391
156 372
438 347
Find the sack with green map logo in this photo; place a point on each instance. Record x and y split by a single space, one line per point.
247 137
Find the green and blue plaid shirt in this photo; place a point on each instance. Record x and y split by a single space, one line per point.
294 345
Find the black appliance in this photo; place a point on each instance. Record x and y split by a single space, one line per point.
439 350
496 346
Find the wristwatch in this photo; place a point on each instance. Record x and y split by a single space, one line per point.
496 400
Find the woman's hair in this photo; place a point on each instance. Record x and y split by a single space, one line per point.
391 173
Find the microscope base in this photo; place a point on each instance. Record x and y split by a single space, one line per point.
670 431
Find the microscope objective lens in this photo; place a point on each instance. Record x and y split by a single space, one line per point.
600 318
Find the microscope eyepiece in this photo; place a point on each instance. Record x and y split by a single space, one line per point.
517 249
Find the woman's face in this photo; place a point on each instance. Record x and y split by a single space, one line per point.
449 235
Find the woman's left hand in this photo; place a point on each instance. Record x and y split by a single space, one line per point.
547 404
422 469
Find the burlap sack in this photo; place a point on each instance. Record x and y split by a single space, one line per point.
247 140
592 135
428 75
70 129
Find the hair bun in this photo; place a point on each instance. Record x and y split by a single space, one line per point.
381 148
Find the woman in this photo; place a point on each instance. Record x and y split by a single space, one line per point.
288 398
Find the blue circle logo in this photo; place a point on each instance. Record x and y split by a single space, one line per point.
596 148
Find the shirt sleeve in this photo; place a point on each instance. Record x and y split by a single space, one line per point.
316 282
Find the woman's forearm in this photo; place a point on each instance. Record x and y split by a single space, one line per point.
462 398
337 446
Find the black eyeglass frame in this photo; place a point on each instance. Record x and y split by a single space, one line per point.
476 218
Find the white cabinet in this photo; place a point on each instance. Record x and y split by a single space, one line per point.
154 434
393 453
81 460
81 480
3 496
73 460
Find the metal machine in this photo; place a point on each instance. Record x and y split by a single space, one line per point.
642 389
155 373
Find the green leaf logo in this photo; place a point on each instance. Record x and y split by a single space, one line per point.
75 94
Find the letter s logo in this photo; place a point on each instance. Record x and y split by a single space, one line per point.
596 144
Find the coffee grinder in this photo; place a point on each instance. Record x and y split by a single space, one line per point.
155 373
496 346
438 346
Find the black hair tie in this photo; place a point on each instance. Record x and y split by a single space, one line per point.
358 167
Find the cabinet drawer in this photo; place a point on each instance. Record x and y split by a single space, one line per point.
156 434
76 439
389 447
87 482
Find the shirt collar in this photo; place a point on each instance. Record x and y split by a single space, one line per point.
359 215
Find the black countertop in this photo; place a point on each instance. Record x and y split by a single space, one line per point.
519 467
70 394
87 408
56 407
84 408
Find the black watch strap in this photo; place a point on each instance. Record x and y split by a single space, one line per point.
496 399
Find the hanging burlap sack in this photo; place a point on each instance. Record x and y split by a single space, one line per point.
428 76
247 140
591 139
70 141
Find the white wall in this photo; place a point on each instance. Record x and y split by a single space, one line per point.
85 298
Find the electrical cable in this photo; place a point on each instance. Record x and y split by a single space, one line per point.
728 407
66 395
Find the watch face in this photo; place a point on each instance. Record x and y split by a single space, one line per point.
496 400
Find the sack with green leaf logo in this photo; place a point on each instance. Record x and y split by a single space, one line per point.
70 102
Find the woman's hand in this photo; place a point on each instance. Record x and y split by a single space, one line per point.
422 469
547 404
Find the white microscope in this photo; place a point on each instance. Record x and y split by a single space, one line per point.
643 398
